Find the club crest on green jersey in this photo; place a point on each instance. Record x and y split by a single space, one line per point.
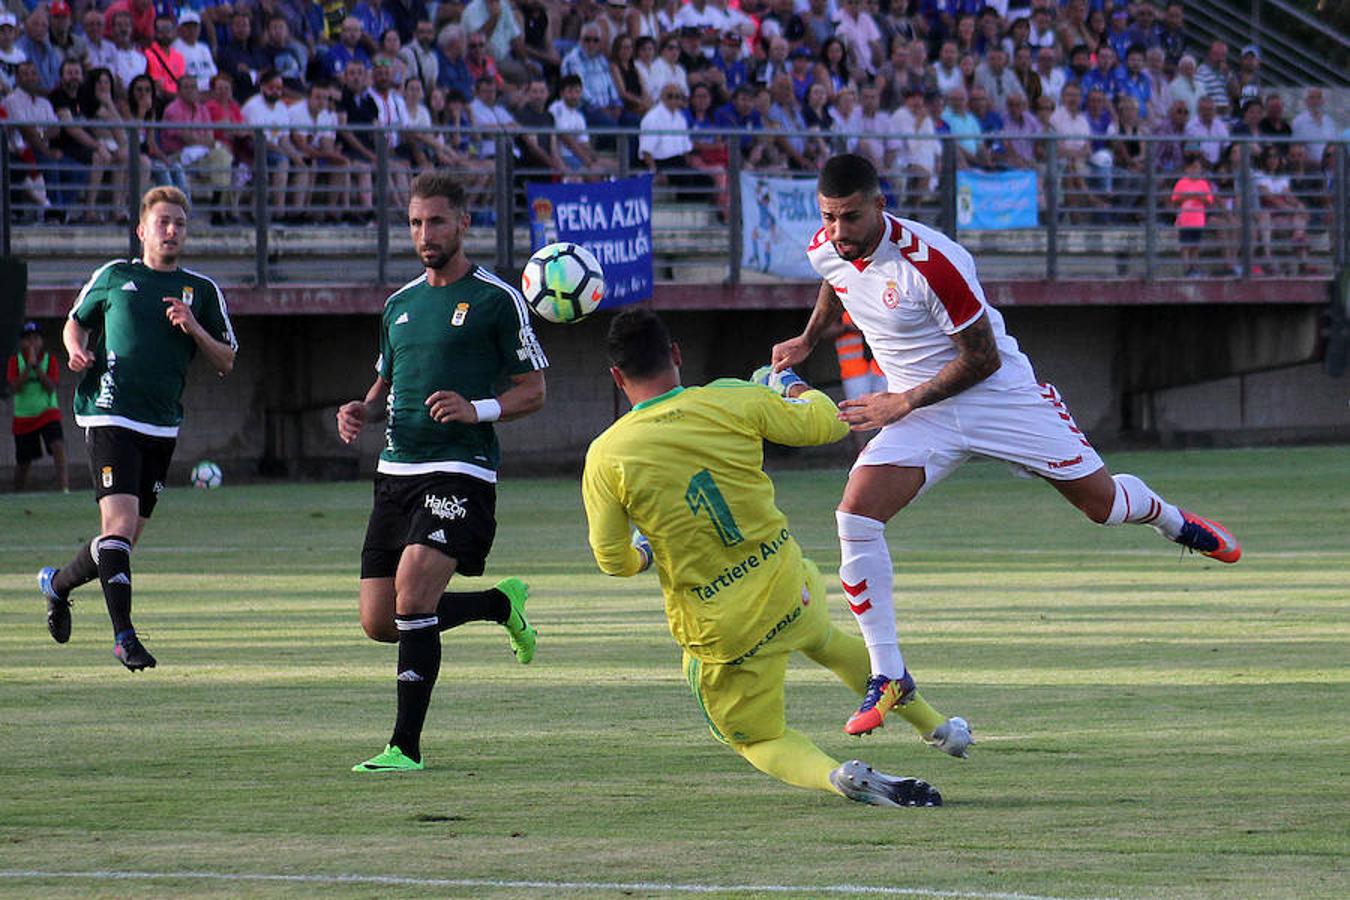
461 313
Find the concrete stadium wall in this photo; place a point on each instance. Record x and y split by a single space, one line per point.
1157 374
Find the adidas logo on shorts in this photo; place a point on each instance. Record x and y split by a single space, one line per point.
438 536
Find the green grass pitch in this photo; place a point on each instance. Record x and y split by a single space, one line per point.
1149 725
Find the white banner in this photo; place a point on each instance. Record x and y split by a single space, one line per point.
779 216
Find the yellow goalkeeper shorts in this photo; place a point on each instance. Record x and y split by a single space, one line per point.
742 700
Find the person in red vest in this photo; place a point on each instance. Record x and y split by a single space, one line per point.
33 374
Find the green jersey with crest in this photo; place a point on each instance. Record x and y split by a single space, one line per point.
140 357
463 337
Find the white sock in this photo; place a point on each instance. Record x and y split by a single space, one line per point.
867 576
1137 504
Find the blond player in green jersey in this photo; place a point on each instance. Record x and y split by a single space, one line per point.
685 466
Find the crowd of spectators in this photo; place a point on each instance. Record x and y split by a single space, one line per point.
800 79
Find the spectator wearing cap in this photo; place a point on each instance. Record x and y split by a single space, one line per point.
1245 83
100 52
33 376
1313 126
128 58
1118 33
142 14
729 62
200 62
600 99
1212 75
62 36
163 63
36 44
696 65
10 55
195 148
1209 129
803 73
348 48
666 68
610 20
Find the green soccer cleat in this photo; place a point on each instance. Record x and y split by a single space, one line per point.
523 637
391 760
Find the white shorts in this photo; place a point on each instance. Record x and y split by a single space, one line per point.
861 385
1029 427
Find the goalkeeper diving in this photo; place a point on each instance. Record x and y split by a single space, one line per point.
685 468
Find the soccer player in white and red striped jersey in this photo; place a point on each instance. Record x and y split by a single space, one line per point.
957 386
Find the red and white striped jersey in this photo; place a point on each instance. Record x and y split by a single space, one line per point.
917 289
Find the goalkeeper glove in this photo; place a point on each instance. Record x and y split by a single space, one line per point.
779 382
644 547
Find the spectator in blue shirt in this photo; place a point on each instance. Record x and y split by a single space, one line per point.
600 101
739 114
1135 83
347 49
36 44
1118 33
991 153
452 71
1107 75
374 20
961 121
729 61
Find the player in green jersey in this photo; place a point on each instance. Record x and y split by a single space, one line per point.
685 466
135 327
445 340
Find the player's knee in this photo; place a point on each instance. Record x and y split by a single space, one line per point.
380 629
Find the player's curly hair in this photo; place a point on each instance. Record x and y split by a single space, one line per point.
639 343
439 183
164 193
848 174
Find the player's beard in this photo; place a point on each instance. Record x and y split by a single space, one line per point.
438 256
858 248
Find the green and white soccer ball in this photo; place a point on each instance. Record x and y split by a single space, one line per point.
206 475
563 282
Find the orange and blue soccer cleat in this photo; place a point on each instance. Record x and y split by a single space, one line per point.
1208 537
882 695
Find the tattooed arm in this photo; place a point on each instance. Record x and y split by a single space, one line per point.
976 359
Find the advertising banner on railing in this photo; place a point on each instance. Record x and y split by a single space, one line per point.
612 219
779 216
996 199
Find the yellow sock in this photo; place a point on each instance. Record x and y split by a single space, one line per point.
918 713
846 656
793 759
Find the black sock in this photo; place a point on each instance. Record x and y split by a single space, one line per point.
114 572
419 662
472 606
80 570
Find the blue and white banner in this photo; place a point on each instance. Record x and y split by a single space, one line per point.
996 199
779 216
612 219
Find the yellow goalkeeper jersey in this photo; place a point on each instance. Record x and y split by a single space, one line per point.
686 468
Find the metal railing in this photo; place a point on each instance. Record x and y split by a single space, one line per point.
319 223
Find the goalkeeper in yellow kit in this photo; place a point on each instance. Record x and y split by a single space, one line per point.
685 466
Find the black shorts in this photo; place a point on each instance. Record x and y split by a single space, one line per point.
122 461
455 514
1189 235
28 447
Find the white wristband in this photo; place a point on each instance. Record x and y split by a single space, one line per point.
488 410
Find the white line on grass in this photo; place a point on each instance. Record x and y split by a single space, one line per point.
667 887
